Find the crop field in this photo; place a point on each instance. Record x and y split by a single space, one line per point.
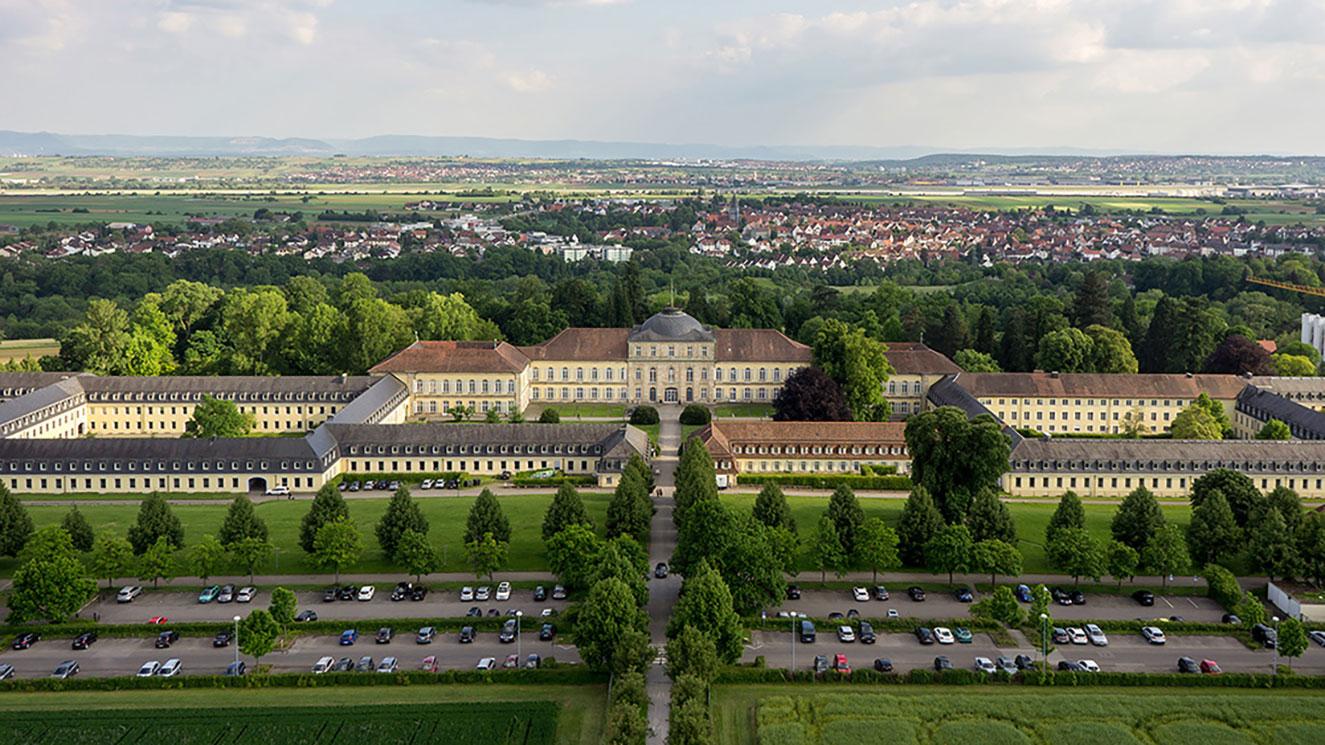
1031 520
783 715
446 518
526 723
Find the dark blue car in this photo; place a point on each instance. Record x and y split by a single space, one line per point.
1023 593
348 637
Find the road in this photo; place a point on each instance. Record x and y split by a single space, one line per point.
112 657
662 592
1125 653
819 603
184 606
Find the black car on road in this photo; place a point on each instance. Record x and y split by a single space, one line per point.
223 638
166 638
917 593
85 639
25 640
1144 597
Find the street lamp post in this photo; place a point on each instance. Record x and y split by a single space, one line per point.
236 641
1275 620
793 644
1044 642
519 638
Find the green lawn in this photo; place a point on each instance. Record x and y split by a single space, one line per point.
753 411
569 411
926 715
579 716
1031 520
446 517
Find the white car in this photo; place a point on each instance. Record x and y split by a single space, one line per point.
1153 635
367 592
504 591
861 594
985 665
487 663
1091 666
425 484
1096 635
149 668
547 613
388 665
466 594
246 594
128 593
892 613
278 491
323 665
482 593
943 635
1076 635
170 668
846 634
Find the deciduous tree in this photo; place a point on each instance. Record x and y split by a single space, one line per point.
771 508
155 520
954 457
919 523
1068 514
951 550
1166 553
828 552
79 530
1137 518
328 505
1074 552
876 547
218 418
258 634
1213 535
241 522
157 562
566 508
808 394
336 545
15 524
989 519
112 557
403 513
50 583
706 604
486 555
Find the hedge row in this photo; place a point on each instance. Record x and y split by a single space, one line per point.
413 478
925 676
553 674
855 481
525 480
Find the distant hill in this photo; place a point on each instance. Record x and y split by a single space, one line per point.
49 143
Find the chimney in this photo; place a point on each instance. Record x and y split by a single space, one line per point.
1054 374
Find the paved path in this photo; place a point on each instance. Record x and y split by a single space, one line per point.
662 592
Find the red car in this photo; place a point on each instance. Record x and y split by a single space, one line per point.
429 664
157 620
1210 667
841 665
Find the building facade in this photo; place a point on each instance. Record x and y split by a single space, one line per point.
745 446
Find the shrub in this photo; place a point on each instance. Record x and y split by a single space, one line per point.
527 479
1223 586
549 416
641 415
696 415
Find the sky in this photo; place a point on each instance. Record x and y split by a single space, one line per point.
1176 76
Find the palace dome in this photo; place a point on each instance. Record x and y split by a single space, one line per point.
671 324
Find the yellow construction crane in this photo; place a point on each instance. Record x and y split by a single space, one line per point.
1304 289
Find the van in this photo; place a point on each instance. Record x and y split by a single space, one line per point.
807 632
722 480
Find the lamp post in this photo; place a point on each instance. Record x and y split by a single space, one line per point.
1044 642
236 641
793 644
1275 620
519 638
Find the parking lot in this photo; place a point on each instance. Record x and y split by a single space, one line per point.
819 603
184 606
1124 653
118 657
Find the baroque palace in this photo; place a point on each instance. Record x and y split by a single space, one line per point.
77 432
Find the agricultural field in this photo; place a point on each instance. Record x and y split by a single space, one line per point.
1031 520
20 349
446 517
785 715
459 714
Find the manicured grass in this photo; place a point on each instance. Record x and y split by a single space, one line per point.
743 410
1031 520
570 411
446 519
100 497
579 716
801 715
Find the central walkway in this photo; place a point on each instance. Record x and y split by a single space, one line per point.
662 592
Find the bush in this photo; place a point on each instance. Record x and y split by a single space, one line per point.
527 479
549 416
644 415
696 415
561 675
820 481
1223 586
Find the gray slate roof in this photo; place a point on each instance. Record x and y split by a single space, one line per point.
1251 456
1263 405
36 400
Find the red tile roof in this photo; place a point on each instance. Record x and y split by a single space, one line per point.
455 357
589 344
758 345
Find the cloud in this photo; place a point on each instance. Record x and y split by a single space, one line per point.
530 81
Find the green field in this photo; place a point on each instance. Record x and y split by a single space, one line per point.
480 714
569 411
787 715
1031 520
743 410
446 518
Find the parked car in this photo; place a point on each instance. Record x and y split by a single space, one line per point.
388 665
820 664
344 665
330 594
170 668
366 593
917 594
964 595
942 663
1007 665
474 612
1076 635
429 664
6 671
1317 637
540 594
384 635
401 591
348 637
365 665
425 635
943 635
1024 662
1188 665
840 664
1059 636
66 669
963 635
346 593
503 591
355 486
1096 635
1210 667
84 640
148 669
1267 636
306 616
558 592
323 664
547 632
1090 666
1231 619
226 594
128 593
417 593
466 634
1061 596
235 669
807 632
482 594
223 638
985 665
1144 597
486 663
867 633
508 631
278 491
924 635
157 621
466 594
209 593
860 594
1024 593
883 665
511 662
1153 634
166 638
533 661
425 484
1070 666
246 594
846 634
793 592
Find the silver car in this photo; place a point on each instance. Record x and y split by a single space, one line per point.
170 668
1096 635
